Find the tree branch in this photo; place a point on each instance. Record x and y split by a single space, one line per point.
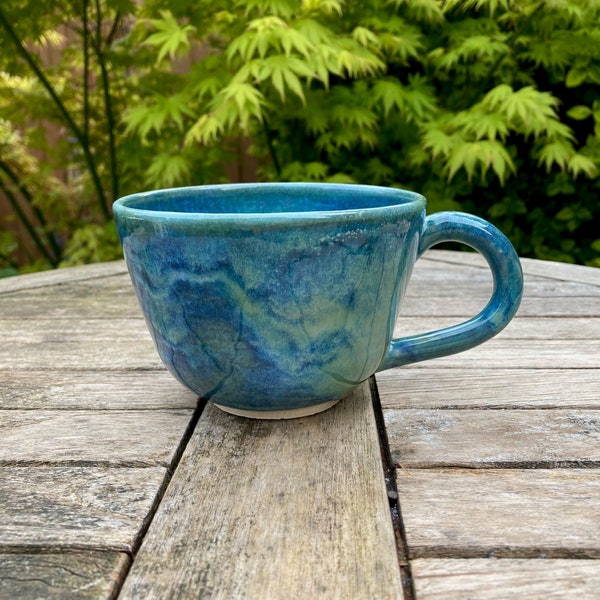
113 30
86 71
8 261
81 138
110 119
8 171
272 151
24 220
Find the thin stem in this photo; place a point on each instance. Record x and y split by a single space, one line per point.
6 169
8 261
86 71
113 30
110 119
272 151
81 138
27 224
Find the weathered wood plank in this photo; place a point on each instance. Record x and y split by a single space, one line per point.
75 390
501 512
541 268
274 509
57 277
44 330
455 259
463 293
501 353
491 579
87 344
455 283
524 328
468 306
111 438
76 507
105 298
562 271
86 355
454 276
493 438
90 575
454 290
260 499
411 387
122 354
450 276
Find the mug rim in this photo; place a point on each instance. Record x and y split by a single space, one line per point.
399 199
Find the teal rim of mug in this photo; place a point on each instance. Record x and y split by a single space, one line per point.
140 204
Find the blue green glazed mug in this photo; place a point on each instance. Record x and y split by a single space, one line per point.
277 300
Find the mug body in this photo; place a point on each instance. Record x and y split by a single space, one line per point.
271 297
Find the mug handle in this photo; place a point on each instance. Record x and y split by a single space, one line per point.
504 263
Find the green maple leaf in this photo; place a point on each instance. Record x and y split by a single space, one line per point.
145 118
171 38
206 130
555 153
465 5
390 94
283 71
480 124
167 169
482 155
578 164
438 142
365 37
429 11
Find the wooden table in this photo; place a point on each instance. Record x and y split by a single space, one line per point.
472 476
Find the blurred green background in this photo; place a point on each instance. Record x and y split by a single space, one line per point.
486 106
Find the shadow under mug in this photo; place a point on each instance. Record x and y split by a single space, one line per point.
277 300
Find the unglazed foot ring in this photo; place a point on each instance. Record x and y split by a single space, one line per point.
292 413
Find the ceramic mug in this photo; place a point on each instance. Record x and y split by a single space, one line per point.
277 300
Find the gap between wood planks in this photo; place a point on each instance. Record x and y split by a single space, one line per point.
389 473
161 492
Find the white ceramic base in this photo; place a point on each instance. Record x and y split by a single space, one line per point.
293 413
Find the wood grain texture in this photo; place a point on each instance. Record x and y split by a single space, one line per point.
500 388
562 271
462 283
501 353
43 330
120 355
440 305
528 400
531 267
99 298
63 575
491 579
127 438
274 509
494 438
501 512
523 328
91 424
58 277
70 390
89 356
76 507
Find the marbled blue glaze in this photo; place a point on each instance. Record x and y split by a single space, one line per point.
282 296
